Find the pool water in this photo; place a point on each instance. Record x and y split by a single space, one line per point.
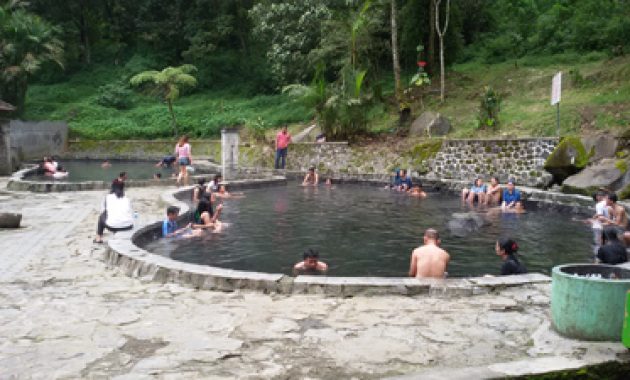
91 170
367 231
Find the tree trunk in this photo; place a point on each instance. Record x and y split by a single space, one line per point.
170 109
440 33
431 54
395 58
84 35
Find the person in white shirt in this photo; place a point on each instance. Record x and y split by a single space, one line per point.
602 213
116 215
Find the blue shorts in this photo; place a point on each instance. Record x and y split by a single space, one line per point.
184 161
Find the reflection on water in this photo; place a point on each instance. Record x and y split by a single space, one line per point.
364 231
89 170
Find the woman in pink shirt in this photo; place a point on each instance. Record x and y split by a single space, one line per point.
184 158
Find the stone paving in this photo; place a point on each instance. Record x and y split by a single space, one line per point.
65 315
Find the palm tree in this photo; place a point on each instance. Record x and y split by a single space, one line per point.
167 84
26 42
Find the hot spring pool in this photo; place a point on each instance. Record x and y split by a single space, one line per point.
91 170
368 231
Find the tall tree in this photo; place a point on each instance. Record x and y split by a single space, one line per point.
167 84
26 41
440 33
395 58
431 54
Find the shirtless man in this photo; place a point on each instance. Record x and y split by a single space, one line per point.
429 260
618 219
311 178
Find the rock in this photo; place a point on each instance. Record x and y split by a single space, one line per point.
465 223
605 173
10 220
603 146
430 123
568 158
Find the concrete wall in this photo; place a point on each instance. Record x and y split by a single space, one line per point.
27 140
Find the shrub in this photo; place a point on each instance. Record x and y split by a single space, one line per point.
114 95
489 109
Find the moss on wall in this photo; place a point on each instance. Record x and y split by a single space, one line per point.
421 153
569 146
622 165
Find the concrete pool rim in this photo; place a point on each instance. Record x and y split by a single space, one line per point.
123 252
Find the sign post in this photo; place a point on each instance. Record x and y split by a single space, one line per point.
556 90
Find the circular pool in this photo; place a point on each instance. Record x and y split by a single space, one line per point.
368 231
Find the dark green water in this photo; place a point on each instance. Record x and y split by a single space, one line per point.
90 170
366 231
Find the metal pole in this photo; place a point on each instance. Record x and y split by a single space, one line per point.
558 119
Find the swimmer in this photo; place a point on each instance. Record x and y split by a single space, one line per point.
169 226
612 251
106 164
429 260
417 191
223 193
405 181
506 249
311 178
310 263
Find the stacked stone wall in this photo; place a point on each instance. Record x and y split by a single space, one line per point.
521 159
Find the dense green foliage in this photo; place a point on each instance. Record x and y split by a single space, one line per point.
253 48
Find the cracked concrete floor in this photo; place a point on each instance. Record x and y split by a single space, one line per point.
64 314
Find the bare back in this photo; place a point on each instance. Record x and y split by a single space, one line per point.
620 216
429 260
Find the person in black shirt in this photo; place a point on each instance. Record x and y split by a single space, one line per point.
612 250
506 249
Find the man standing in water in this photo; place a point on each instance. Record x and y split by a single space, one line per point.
283 138
429 260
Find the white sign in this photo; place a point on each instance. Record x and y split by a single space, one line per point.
556 88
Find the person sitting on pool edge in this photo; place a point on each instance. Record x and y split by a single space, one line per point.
511 196
429 260
169 226
477 192
493 194
310 264
506 249
204 218
311 178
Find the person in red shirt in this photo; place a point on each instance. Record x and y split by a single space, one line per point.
283 138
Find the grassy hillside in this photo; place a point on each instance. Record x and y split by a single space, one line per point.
596 96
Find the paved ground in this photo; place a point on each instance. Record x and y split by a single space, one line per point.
64 314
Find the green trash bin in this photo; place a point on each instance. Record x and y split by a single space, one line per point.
625 334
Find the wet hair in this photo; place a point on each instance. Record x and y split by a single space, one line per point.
158 175
122 174
311 253
508 245
311 169
610 235
217 177
613 197
172 210
432 234
201 182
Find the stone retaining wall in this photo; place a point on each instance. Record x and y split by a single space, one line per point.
522 159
